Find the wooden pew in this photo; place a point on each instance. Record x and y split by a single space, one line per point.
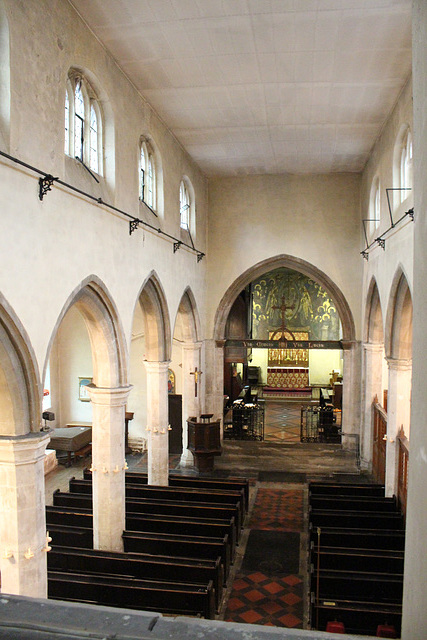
185 546
135 499
358 586
336 488
139 518
352 503
164 568
149 595
230 484
356 519
359 538
378 561
228 499
66 529
358 617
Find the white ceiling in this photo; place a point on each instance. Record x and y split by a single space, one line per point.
263 86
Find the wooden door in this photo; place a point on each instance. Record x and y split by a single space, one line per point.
379 448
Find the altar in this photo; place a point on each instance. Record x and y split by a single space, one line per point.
288 377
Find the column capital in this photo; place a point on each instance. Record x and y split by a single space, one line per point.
24 449
399 364
157 367
373 347
112 397
347 345
191 346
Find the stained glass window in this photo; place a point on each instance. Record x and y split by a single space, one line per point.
184 206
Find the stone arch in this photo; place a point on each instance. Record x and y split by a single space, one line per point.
398 339
20 387
187 310
109 352
154 308
373 331
224 307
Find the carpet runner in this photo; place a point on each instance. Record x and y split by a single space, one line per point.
268 589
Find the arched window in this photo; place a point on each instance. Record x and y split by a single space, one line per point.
83 130
184 206
406 166
375 206
147 178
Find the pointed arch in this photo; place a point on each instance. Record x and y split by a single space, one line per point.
188 315
152 301
109 352
374 331
398 339
283 260
20 387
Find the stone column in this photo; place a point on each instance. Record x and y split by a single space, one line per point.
190 402
373 366
398 414
157 422
352 365
108 466
23 519
214 378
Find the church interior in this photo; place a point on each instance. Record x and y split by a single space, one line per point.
212 319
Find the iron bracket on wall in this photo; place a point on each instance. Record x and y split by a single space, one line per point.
45 185
133 225
176 246
381 242
200 256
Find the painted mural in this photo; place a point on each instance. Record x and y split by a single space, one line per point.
284 297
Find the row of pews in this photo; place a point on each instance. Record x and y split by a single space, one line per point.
357 539
179 544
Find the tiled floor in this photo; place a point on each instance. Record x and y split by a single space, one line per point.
271 596
282 421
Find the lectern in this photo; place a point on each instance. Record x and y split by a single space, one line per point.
204 441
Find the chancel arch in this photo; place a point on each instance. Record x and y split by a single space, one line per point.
375 384
149 364
22 451
398 347
342 320
185 376
88 333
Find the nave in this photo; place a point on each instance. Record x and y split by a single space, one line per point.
265 586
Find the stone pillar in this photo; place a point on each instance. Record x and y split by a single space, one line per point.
190 402
157 422
352 365
373 367
108 466
214 378
398 414
23 520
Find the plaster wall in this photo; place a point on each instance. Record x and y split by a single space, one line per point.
311 217
414 590
399 248
57 243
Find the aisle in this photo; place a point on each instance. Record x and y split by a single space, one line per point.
268 588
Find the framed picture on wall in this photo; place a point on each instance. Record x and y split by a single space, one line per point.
83 393
171 381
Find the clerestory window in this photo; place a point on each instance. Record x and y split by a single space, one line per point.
147 177
83 130
406 166
184 206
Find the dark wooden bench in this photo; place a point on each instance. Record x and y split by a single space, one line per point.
358 560
355 519
164 568
184 546
65 525
359 538
137 501
358 617
336 488
228 499
142 520
148 595
352 503
366 586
